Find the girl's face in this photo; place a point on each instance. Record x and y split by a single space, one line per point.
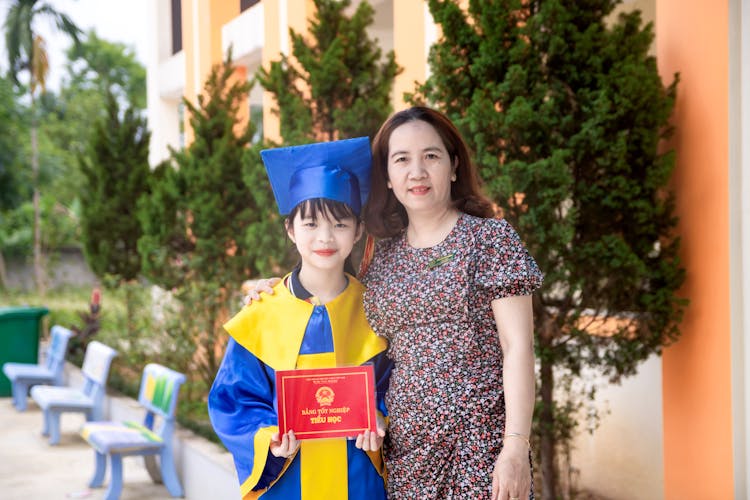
323 242
419 168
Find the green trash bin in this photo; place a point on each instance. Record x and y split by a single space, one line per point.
19 338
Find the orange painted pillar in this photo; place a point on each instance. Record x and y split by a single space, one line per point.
409 44
271 52
202 21
279 17
692 39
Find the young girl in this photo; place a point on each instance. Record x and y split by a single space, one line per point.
315 319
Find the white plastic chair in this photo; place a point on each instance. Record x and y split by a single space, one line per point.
158 397
88 399
23 376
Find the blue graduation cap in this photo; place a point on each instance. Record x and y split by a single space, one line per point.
336 170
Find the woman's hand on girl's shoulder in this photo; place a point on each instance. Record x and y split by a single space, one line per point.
252 290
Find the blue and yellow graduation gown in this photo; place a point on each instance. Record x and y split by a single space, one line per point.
283 332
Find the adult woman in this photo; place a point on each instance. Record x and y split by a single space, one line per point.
450 287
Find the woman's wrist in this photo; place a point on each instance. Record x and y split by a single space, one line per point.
514 450
516 437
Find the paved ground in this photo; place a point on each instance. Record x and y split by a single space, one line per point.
31 469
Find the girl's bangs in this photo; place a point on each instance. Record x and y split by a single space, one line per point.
323 207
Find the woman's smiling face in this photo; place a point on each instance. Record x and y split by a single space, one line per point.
419 168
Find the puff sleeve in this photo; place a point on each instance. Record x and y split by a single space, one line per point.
502 265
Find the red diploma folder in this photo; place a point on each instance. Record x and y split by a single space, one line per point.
326 402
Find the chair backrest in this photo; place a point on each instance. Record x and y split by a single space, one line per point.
96 363
57 349
158 394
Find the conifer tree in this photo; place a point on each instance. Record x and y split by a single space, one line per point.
116 172
115 169
336 86
195 217
565 112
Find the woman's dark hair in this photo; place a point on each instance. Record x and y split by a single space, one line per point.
384 215
324 207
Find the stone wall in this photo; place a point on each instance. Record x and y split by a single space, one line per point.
66 268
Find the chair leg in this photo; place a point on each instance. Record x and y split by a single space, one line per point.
54 426
169 473
101 468
45 422
14 393
20 392
152 466
115 482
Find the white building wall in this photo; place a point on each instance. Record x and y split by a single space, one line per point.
165 83
245 34
624 458
739 219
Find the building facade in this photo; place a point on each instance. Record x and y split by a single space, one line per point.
191 36
680 429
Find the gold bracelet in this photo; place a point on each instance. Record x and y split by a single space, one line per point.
519 436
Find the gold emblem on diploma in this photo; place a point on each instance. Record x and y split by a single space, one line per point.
324 396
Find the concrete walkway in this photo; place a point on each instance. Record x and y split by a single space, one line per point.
31 469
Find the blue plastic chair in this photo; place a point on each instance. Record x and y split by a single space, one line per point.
158 396
88 399
23 376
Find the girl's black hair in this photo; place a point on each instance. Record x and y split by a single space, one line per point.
324 207
328 208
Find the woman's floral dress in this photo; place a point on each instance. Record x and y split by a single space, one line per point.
445 401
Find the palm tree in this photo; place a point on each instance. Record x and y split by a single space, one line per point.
27 52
